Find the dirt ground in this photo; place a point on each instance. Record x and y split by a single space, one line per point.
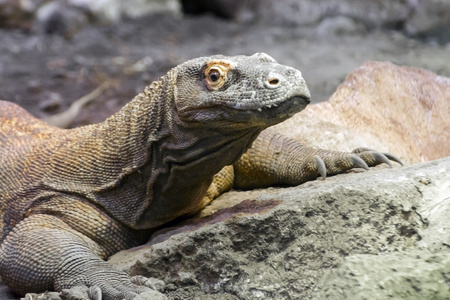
45 73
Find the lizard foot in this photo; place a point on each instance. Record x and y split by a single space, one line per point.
373 158
358 158
116 288
153 286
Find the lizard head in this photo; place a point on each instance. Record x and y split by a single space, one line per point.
252 91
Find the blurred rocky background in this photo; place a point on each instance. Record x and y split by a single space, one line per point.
54 52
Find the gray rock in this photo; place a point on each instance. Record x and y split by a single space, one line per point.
279 242
372 13
58 17
430 20
66 17
153 295
339 25
114 10
434 208
401 275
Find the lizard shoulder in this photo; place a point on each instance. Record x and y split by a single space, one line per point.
16 122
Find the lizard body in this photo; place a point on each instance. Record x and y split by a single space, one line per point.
71 198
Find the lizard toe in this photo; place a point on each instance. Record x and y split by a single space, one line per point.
378 157
152 283
321 167
94 293
358 162
393 158
107 291
374 158
80 292
361 149
30 296
126 291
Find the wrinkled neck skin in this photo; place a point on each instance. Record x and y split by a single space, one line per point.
191 156
164 165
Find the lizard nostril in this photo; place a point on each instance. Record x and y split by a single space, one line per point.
274 81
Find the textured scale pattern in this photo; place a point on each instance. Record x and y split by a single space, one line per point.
71 198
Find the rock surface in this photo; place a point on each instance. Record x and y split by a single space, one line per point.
114 10
280 242
292 12
430 21
394 109
399 275
427 19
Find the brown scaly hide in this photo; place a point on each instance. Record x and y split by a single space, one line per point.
395 109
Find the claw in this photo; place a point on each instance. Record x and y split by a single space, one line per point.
153 283
362 149
78 292
320 164
95 293
393 158
139 280
358 162
381 158
378 156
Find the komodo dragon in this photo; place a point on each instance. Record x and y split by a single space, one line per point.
72 197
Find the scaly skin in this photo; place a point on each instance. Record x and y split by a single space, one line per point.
71 198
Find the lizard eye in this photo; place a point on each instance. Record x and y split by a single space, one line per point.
215 77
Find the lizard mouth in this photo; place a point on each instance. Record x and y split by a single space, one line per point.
264 115
282 111
296 101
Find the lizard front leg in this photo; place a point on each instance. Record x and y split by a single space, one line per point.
48 252
275 159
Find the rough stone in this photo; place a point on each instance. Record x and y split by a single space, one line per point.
278 243
401 275
154 295
394 109
427 19
337 26
421 273
66 17
114 10
379 13
431 21
14 13
58 17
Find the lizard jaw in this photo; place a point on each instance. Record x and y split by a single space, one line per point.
276 113
300 100
262 116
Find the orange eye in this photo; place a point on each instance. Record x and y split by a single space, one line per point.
215 77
